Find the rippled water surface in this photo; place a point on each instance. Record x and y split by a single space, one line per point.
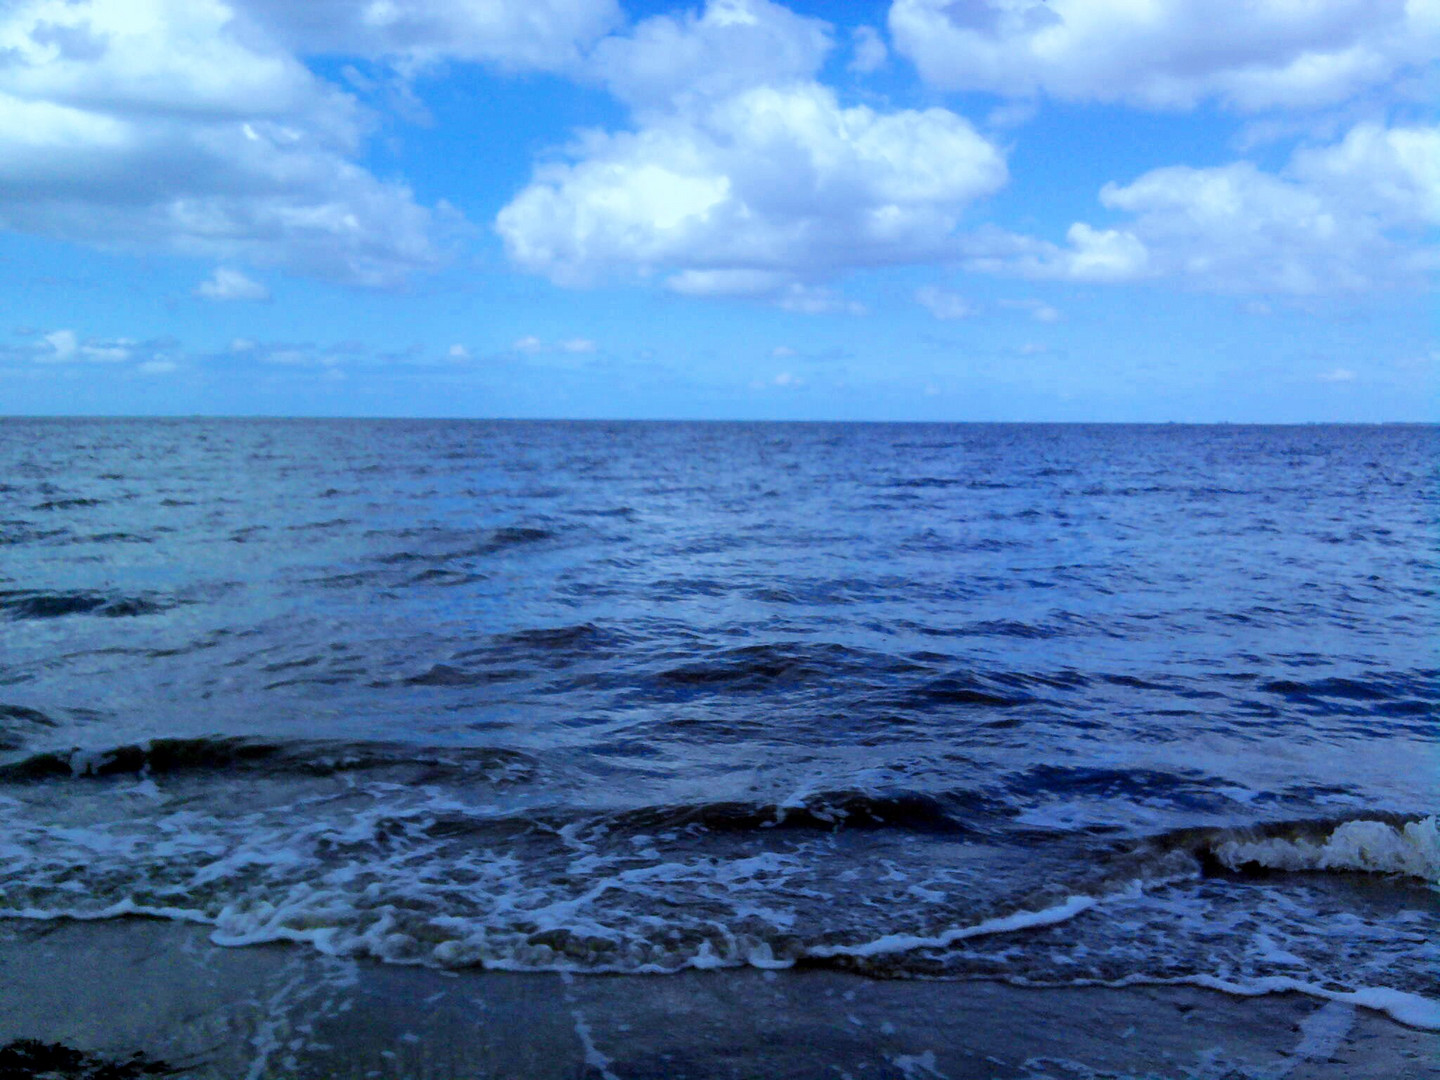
1051 704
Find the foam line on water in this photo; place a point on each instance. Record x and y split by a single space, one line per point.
1005 924
1412 1010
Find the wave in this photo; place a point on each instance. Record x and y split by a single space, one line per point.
753 667
1391 694
19 721
450 675
26 715
1380 843
1409 848
68 504
34 604
412 874
23 532
308 917
830 811
172 756
494 542
890 944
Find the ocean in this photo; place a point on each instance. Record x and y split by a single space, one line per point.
1046 705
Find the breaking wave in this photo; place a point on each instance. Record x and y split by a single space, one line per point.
1411 848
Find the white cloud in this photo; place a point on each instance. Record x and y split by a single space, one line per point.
530 345
727 282
785 380
459 352
783 352
944 304
743 177
158 367
111 353
1167 53
733 45
1392 173
870 53
63 345
176 125
1103 254
1107 255
513 34
1337 375
762 193
228 284
815 300
1352 215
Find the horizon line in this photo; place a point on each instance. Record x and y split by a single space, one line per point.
294 417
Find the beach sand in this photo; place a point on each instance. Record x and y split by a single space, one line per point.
270 1012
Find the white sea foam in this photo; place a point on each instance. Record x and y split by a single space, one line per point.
1412 1010
417 875
1412 849
1020 920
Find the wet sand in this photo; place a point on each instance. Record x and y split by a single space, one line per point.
288 1013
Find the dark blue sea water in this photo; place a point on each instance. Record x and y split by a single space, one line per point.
1053 704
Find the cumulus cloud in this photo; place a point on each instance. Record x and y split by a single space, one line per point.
731 46
1350 215
228 284
743 176
182 126
766 192
515 34
1167 53
65 346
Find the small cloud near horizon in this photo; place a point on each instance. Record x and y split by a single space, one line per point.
230 285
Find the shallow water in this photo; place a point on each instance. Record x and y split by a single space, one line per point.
1053 704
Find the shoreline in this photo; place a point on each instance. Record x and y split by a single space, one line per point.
282 1012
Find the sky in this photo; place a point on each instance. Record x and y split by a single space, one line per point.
969 210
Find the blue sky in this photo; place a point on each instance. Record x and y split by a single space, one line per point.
1191 210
